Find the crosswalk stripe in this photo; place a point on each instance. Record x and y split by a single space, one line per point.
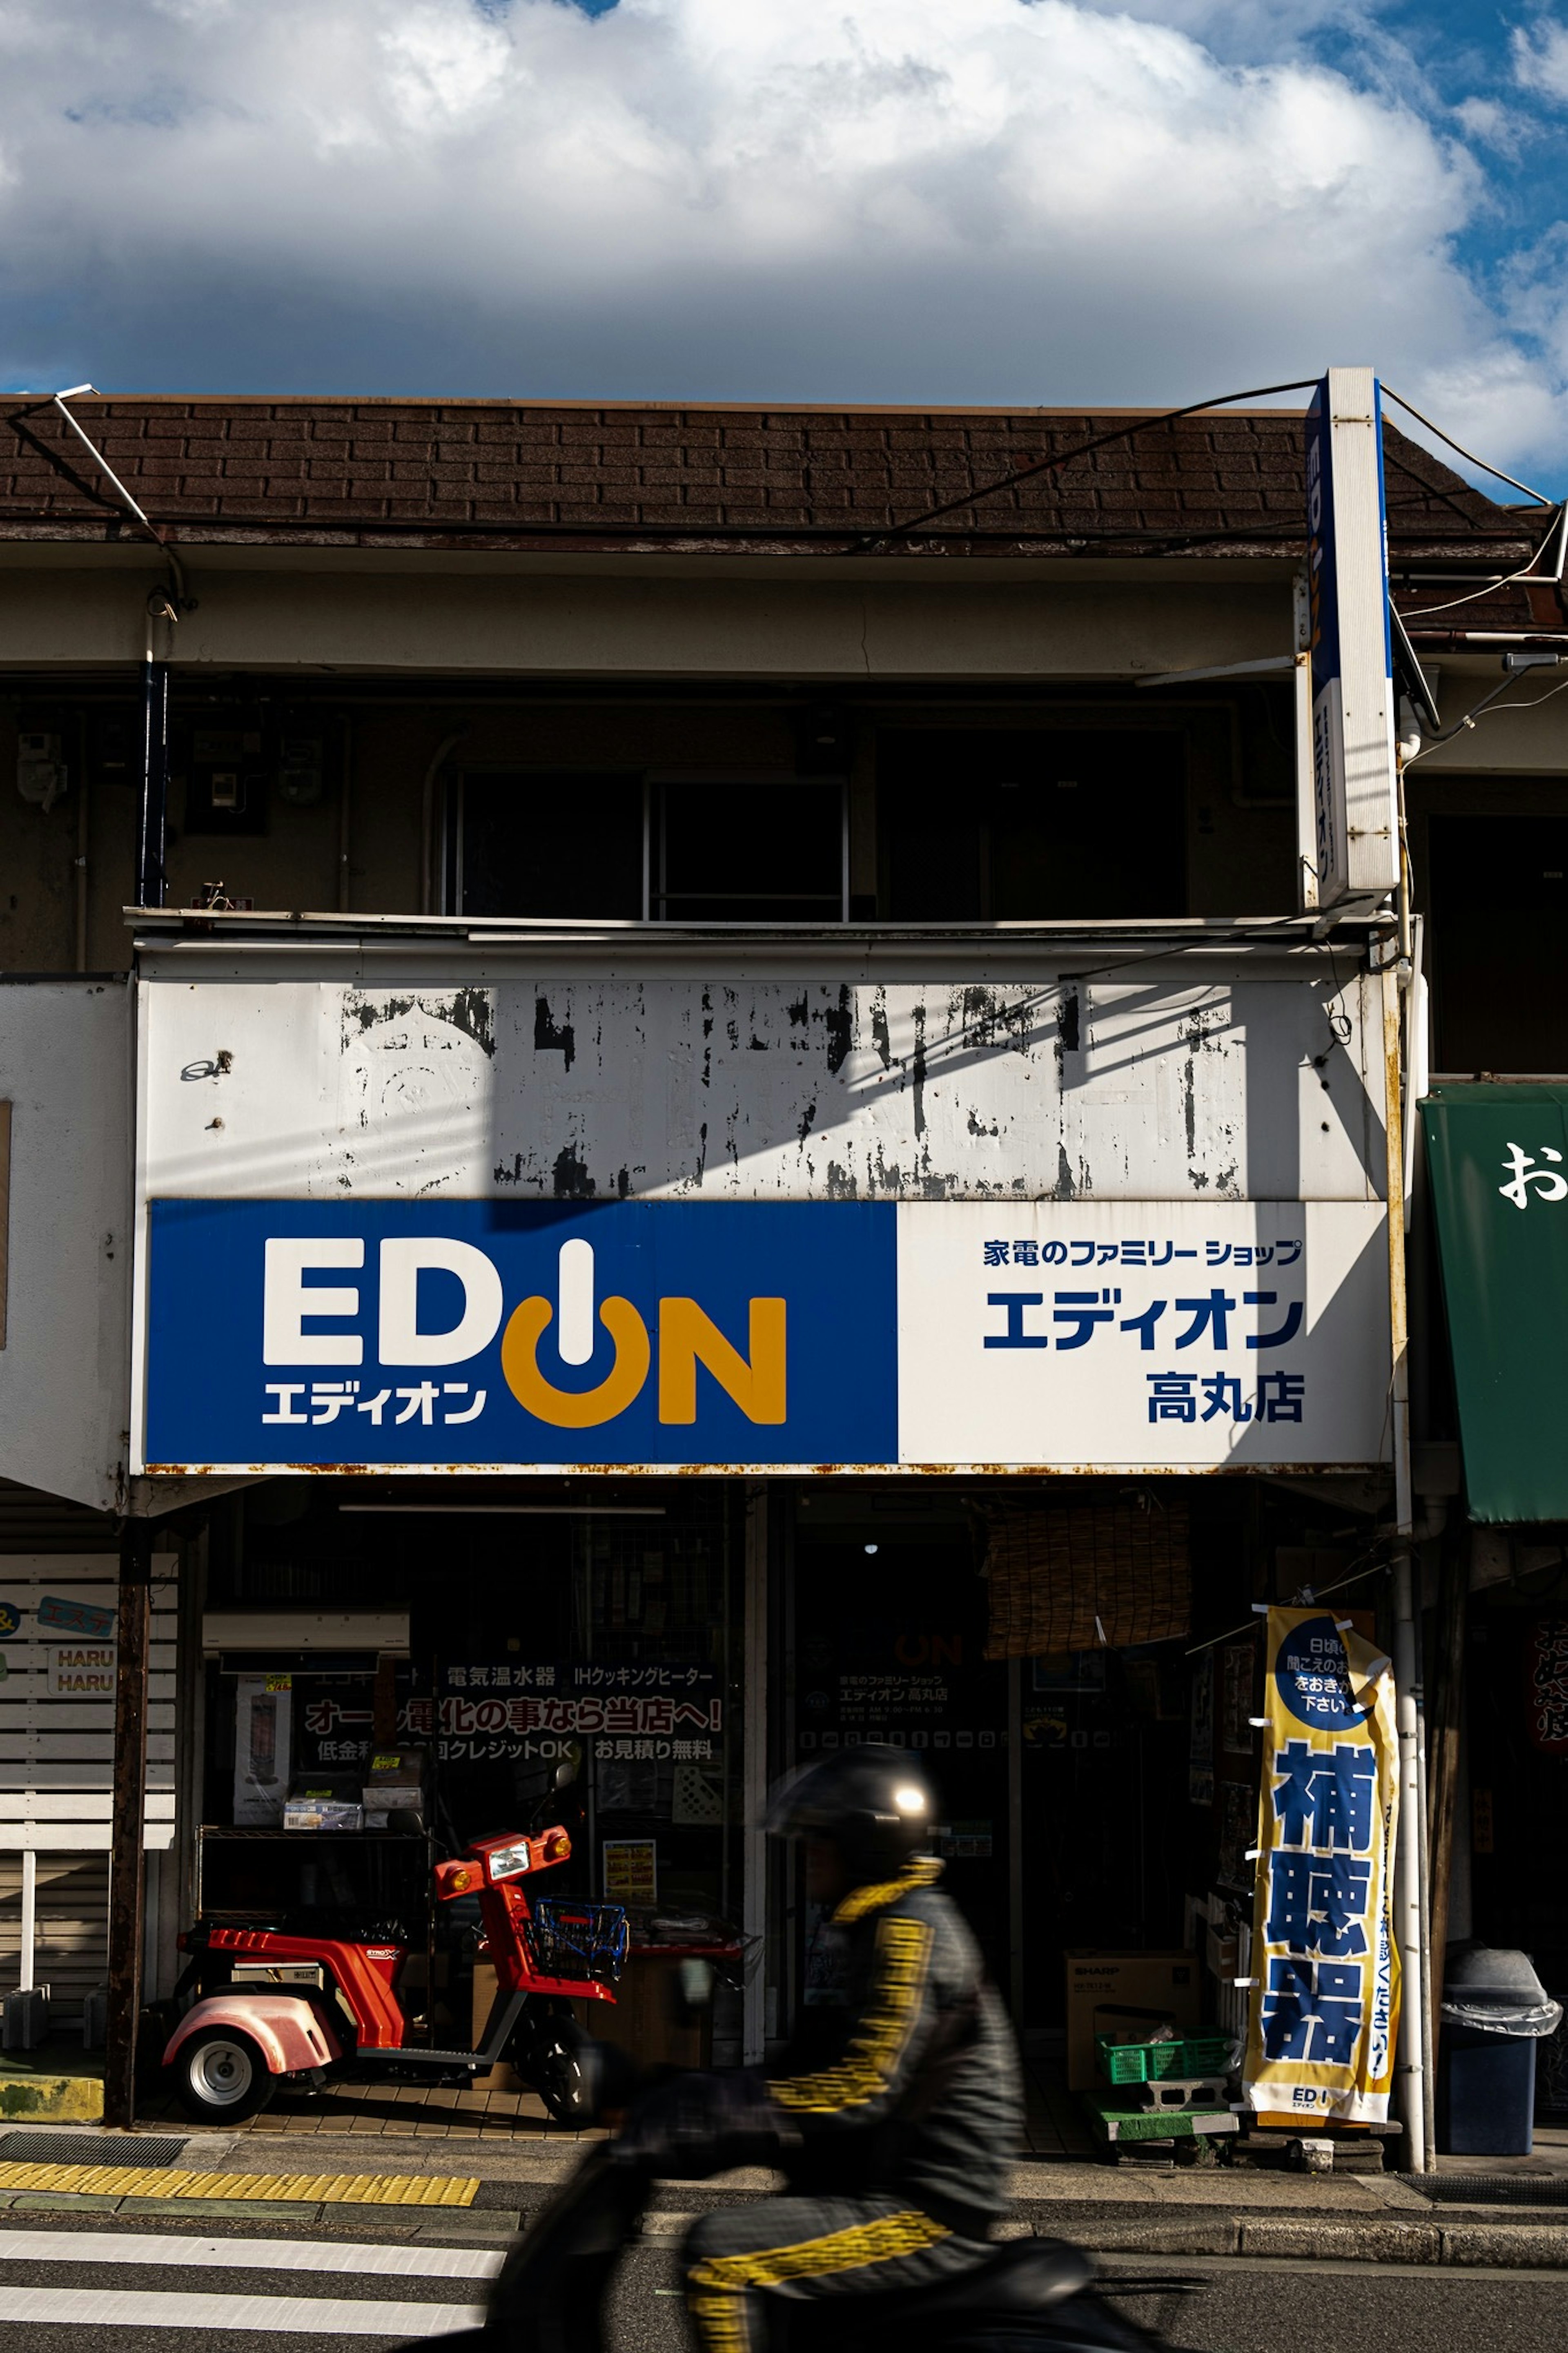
175 2250
174 2181
296 2315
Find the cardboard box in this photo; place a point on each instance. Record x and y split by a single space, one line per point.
323 1814
642 2018
381 1804
326 1800
1161 1981
502 2077
395 1784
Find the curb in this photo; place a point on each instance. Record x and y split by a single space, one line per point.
1501 2246
1409 2233
51 2099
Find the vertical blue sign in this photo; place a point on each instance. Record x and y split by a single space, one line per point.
1354 822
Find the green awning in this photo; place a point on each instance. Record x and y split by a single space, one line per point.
1498 1157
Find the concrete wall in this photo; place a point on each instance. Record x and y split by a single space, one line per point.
592 620
66 1068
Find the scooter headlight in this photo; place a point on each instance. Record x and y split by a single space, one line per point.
510 1862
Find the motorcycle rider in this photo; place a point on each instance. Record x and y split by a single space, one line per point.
898 2138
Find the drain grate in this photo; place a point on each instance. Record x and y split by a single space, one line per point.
34 2146
1492 2189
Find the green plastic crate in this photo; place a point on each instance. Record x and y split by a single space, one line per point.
1115 2125
1151 2062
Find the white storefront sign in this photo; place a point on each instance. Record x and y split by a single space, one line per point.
500 1336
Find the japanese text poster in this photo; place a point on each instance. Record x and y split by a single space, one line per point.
1325 2007
630 1871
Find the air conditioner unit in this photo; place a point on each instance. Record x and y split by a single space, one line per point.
380 1630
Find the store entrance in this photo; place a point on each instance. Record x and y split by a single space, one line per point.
1062 1778
889 1642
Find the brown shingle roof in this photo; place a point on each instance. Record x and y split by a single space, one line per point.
460 473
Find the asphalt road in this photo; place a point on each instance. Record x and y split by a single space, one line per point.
92 2284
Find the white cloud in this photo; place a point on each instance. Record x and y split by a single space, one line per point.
1028 200
1492 124
1540 55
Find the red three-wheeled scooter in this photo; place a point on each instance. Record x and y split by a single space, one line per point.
238 2038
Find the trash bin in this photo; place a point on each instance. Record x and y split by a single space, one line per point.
1495 2011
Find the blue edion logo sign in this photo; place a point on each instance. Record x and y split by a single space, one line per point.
476 1332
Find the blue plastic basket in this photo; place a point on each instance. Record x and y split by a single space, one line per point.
567 1938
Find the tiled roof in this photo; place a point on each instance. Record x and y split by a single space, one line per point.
466 473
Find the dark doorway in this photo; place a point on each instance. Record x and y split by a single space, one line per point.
1497 896
890 1642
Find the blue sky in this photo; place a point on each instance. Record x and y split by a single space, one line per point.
1009 201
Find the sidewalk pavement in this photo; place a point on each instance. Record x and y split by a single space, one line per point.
483 2184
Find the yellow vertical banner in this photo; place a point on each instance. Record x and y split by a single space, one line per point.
1324 2011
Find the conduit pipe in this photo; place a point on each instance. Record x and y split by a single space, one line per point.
444 750
345 817
153 816
78 864
1409 1905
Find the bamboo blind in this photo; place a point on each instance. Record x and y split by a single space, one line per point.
1072 1578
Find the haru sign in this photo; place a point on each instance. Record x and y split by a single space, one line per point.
1354 800
505 1335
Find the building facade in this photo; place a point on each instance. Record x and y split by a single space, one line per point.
677 1094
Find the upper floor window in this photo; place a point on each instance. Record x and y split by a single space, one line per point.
1003 825
673 849
526 843
1496 903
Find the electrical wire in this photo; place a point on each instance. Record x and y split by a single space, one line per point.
1185 947
1419 612
1488 707
1312 1594
1469 455
1085 449
1535 700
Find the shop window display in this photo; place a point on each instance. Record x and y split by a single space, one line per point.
608 1640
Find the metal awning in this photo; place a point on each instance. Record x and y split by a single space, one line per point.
1498 1161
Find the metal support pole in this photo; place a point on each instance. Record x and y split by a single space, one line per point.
1306 796
128 1811
345 817
152 814
1409 1907
755 1777
1444 1738
1015 1843
1428 2069
27 1967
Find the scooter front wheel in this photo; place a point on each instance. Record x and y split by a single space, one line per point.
220 2076
559 2077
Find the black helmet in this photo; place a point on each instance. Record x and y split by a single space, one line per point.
873 1803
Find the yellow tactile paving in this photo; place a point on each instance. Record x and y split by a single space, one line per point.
171 2182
